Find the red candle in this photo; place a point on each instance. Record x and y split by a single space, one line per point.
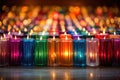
105 52
4 52
102 35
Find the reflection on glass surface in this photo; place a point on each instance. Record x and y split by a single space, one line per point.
53 75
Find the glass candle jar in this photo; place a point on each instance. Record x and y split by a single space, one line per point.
53 51
92 52
79 53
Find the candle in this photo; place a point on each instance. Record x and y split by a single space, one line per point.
66 50
4 52
65 35
102 35
15 51
114 35
18 34
43 34
79 55
88 36
27 51
40 54
116 51
33 34
53 51
7 36
92 52
105 52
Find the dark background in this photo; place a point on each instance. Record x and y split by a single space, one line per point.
61 2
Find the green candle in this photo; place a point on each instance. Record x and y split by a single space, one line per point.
40 54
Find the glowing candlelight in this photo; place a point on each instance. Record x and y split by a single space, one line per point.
53 51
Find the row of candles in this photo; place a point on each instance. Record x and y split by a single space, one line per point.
60 50
51 38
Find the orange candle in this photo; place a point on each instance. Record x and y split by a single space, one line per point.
65 35
66 50
114 35
53 51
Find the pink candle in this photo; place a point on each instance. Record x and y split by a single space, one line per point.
15 51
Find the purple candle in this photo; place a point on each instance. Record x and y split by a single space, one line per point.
116 51
15 51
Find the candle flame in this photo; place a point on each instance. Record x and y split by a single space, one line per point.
104 31
78 38
65 33
8 33
83 29
15 37
92 38
94 31
31 31
4 35
53 37
27 36
114 33
25 29
1 37
19 32
75 33
104 37
89 34
41 38
43 32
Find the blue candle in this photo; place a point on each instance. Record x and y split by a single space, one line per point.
79 58
27 51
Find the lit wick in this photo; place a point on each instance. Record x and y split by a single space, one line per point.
104 37
19 32
1 38
41 38
114 33
53 37
27 36
4 35
8 33
15 37
78 38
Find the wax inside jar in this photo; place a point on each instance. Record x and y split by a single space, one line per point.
53 51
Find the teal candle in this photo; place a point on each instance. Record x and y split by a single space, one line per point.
79 58
40 53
